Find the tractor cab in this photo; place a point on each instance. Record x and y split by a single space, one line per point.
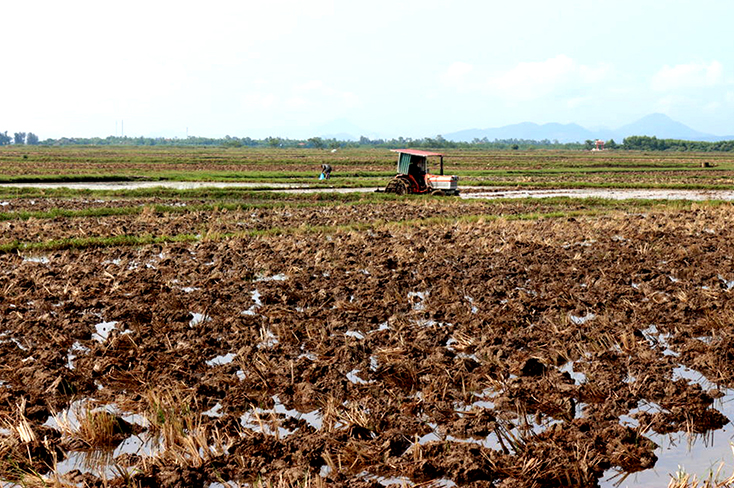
413 175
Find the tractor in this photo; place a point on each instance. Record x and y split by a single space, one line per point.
413 176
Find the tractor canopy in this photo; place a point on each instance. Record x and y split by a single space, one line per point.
417 157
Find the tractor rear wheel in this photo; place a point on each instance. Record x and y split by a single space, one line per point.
390 188
401 186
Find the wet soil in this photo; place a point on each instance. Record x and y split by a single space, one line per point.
496 353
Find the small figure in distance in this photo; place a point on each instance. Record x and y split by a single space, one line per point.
325 172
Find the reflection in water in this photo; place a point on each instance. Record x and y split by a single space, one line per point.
695 454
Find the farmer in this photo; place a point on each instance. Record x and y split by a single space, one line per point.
417 173
325 172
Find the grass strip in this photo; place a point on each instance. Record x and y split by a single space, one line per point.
93 242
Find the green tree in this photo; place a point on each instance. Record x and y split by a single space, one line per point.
19 138
5 139
231 142
31 139
317 142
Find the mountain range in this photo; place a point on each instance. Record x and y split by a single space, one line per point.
658 125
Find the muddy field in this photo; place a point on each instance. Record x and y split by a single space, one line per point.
414 350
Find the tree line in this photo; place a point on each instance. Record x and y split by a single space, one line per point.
30 138
636 143
646 143
438 142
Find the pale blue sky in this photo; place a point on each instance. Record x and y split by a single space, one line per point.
410 68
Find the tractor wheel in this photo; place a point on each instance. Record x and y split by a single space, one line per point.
400 186
438 193
392 186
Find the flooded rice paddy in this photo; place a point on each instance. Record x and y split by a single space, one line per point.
467 191
590 350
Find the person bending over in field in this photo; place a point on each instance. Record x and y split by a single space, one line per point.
325 171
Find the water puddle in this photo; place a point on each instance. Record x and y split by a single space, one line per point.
353 333
37 259
577 376
436 435
136 185
215 411
220 360
505 434
416 299
698 454
382 326
353 377
658 340
611 194
70 356
581 320
728 283
267 420
68 418
469 299
490 193
15 341
268 340
198 318
374 364
308 355
103 330
226 484
400 481
257 303
275 277
103 463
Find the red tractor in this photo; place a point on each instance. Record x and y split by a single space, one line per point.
413 176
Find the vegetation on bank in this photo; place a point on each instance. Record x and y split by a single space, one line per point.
641 143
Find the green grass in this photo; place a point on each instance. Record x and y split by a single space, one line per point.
92 242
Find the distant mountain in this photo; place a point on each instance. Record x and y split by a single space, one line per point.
526 130
661 126
658 125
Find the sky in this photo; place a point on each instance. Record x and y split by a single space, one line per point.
411 68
